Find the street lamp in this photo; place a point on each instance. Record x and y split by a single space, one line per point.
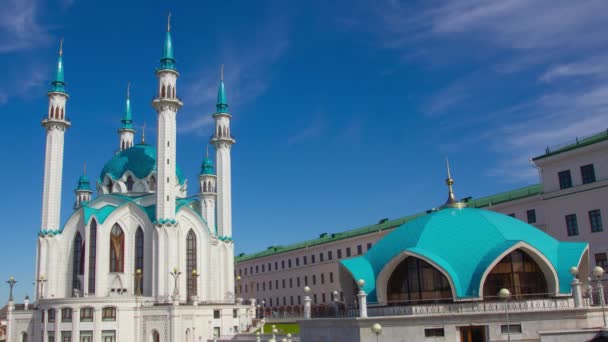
263 308
598 273
307 313
505 294
138 275
257 337
195 274
176 273
11 283
41 281
377 330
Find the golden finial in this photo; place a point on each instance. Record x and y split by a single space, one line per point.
169 22
451 202
143 134
129 90
222 72
61 47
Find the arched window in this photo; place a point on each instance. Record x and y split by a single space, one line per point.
191 263
117 248
139 260
162 91
77 262
155 336
62 113
92 255
129 183
152 183
204 186
110 184
416 280
518 273
187 335
24 337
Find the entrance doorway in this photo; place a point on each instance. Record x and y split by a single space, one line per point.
473 334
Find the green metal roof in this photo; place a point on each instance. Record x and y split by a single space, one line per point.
512 195
464 243
139 159
578 143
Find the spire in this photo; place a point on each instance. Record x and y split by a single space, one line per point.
451 202
58 84
222 104
143 134
127 120
207 165
167 61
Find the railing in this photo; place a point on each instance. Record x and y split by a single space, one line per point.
576 141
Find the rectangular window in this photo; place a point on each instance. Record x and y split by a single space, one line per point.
276 283
359 249
369 246
245 270
51 315
299 300
323 297
276 265
108 336
339 253
291 300
264 286
86 315
284 300
565 180
86 336
108 314
511 328
314 298
322 278
331 277
241 272
257 269
283 283
314 279
297 262
51 336
289 263
601 260
270 285
66 336
434 332
312 259
269 267
588 174
305 280
235 313
216 314
595 220
348 252
305 260
298 281
572 225
321 257
531 214
330 255
257 286
263 268
291 283
42 316
282 264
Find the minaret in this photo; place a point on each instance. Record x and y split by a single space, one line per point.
126 131
55 123
451 202
166 105
208 195
223 141
83 190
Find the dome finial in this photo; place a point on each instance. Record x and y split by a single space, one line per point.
143 134
61 47
451 201
169 22
84 168
207 151
129 90
222 73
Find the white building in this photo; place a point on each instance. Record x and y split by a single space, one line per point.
143 261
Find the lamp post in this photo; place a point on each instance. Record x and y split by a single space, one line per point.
257 337
138 282
195 274
274 332
41 280
289 337
598 273
377 330
176 273
362 299
238 290
577 294
11 283
505 295
263 308
306 302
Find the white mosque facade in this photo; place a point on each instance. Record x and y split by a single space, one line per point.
142 261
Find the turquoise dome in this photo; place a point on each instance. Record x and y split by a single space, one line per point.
139 159
464 243
84 183
207 166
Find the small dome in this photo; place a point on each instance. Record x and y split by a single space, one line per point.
207 166
139 160
84 183
464 243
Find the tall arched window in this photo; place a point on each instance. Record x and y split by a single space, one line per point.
191 263
518 273
92 255
117 248
139 260
416 280
152 183
155 336
77 262
130 183
24 337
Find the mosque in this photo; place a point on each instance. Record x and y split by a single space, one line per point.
142 261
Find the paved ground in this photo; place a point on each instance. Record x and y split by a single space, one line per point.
252 338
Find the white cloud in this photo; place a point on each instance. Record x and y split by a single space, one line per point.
19 26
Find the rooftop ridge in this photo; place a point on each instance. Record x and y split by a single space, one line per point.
511 195
577 143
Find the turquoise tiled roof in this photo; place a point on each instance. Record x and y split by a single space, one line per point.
139 159
58 83
168 62
207 166
222 104
464 242
84 183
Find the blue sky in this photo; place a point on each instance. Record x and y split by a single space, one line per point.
343 111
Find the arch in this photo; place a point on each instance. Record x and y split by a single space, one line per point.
387 271
117 249
415 280
191 264
155 336
543 263
204 186
139 260
187 335
62 113
152 183
162 91
77 259
24 336
129 182
92 255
